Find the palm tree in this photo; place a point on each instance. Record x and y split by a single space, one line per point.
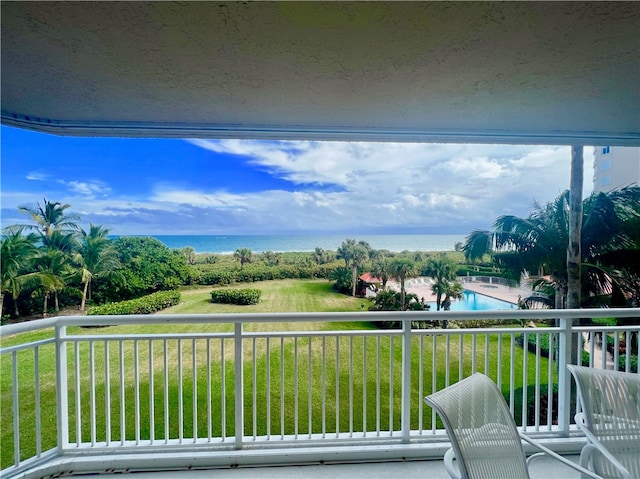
538 243
54 263
318 255
443 271
346 250
403 268
453 290
96 258
17 253
243 255
360 256
50 216
354 256
382 268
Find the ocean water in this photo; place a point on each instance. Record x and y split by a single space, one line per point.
227 244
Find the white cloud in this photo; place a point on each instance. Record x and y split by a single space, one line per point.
405 184
37 176
88 188
337 186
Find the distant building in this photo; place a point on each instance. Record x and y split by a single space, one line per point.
615 167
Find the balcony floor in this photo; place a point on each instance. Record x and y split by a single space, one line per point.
542 468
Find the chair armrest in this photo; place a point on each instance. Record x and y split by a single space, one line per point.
449 456
601 448
557 456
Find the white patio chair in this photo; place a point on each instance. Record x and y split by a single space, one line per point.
610 419
485 442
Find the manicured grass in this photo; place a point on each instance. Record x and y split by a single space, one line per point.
376 399
277 297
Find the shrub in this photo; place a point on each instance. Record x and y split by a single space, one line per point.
545 402
144 305
236 296
633 363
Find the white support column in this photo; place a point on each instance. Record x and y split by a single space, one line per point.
239 385
62 390
564 377
406 381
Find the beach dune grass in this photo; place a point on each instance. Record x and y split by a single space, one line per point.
355 397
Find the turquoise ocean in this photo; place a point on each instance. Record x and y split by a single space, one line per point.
227 244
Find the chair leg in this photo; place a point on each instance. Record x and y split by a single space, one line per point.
585 458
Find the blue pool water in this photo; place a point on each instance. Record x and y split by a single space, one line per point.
472 301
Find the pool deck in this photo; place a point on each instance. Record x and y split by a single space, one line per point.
422 288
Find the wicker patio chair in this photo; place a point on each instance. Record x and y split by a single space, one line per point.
610 419
485 442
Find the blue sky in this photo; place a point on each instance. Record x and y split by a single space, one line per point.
191 186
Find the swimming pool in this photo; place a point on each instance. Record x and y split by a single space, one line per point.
472 301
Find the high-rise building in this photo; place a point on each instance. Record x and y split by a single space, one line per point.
615 167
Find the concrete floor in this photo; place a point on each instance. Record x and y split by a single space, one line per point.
540 469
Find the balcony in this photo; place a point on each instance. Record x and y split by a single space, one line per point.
83 395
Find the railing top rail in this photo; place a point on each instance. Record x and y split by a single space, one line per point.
403 316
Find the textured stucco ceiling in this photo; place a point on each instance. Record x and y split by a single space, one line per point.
527 72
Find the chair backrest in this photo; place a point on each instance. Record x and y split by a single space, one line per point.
610 402
481 428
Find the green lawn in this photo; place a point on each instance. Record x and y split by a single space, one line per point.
343 379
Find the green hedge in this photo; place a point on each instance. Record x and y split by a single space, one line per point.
546 346
633 362
236 296
144 305
219 275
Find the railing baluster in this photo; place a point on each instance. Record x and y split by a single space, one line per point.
123 413
378 381
223 398
209 412
268 386
92 391
152 414
76 353
136 389
553 342
16 408
499 362
461 356
254 387
350 386
194 391
165 350
282 387
309 380
525 380
512 373
421 393
180 395
337 406
474 352
107 392
434 384
295 387
447 374
324 387
391 385
38 413
537 386
486 354
365 375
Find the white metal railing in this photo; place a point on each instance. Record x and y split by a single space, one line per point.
231 383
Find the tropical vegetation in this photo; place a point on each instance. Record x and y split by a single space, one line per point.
537 246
